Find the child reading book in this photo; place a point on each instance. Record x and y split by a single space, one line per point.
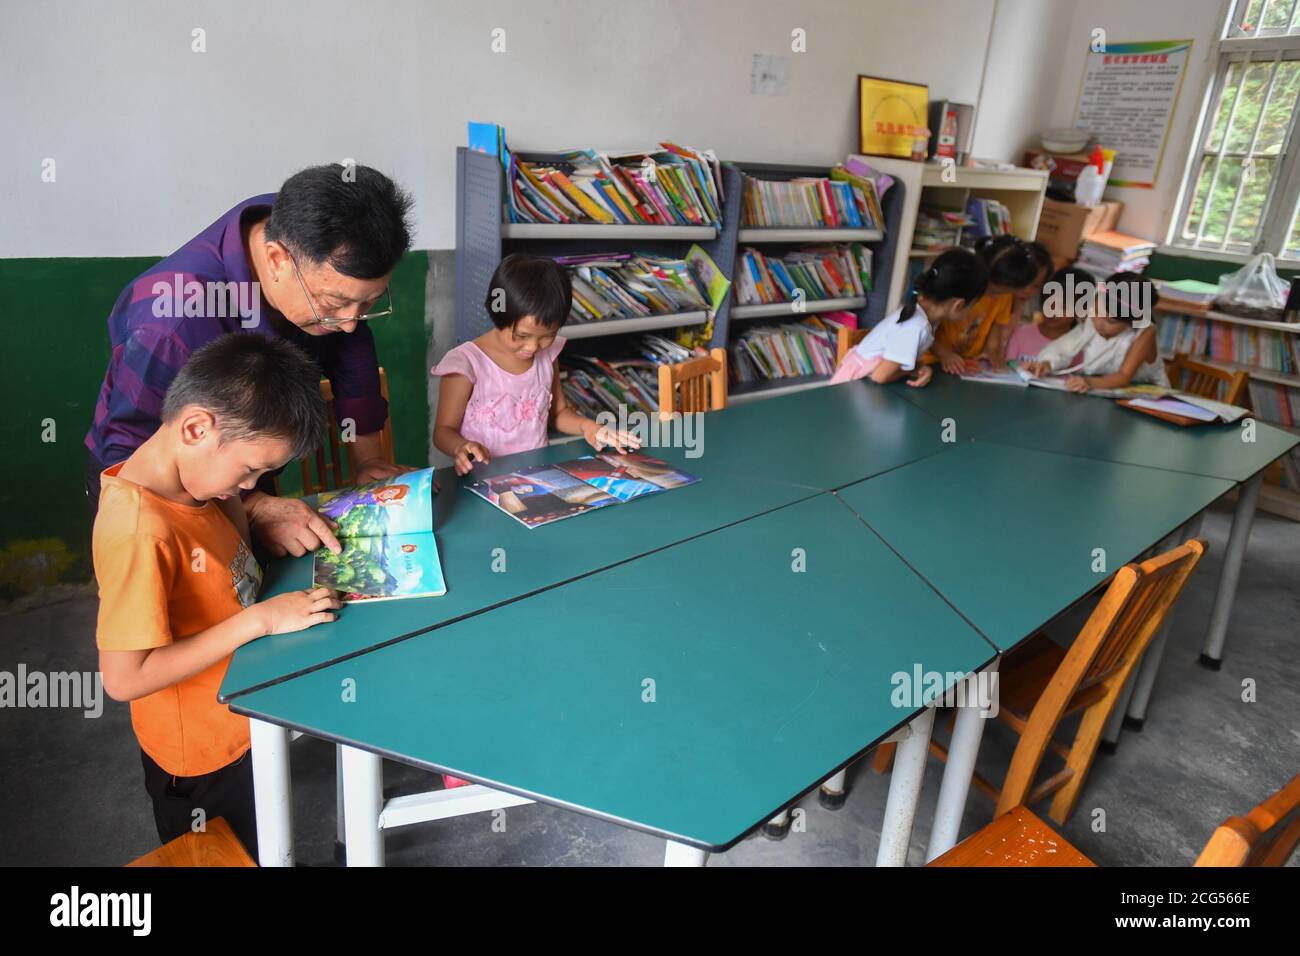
1067 299
177 579
1117 344
500 391
894 346
1017 271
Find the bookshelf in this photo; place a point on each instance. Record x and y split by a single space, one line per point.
1273 498
1020 190
869 309
483 238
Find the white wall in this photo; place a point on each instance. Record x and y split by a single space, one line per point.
1147 212
153 141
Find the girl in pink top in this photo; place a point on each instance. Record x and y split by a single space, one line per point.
501 391
1067 297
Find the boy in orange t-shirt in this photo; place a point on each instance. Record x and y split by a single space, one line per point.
178 582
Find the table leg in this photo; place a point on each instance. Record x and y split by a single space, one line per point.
1248 497
834 791
905 791
340 830
679 854
957 772
363 801
272 793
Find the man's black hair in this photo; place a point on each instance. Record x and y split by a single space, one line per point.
352 218
256 386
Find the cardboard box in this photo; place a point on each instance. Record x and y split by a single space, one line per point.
1062 226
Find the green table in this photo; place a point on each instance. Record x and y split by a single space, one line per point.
765 680
754 458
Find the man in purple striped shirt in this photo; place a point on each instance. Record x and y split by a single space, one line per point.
306 264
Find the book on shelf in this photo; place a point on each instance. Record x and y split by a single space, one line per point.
670 186
839 270
386 530
625 285
988 218
793 350
542 494
938 229
1188 293
1276 403
602 384
843 200
1104 253
1265 349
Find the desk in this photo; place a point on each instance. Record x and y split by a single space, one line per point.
754 458
762 684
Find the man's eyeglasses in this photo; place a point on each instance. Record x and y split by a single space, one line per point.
333 322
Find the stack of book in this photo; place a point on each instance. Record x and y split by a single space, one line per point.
1188 294
845 200
627 285
1104 253
1228 342
787 351
671 186
988 217
841 270
938 228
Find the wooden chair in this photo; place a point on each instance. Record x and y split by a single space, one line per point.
845 339
215 846
1268 836
1041 683
697 385
328 462
1207 381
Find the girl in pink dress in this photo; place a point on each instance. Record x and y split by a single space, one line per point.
501 391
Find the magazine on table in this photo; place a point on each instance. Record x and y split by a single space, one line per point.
541 494
386 530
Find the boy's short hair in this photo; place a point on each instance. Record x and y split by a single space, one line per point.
529 285
256 386
1132 290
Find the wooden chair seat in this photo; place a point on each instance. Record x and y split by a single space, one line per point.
1017 838
215 846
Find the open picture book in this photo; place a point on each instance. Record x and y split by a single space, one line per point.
540 494
1150 398
386 530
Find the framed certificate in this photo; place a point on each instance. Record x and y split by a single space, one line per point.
892 118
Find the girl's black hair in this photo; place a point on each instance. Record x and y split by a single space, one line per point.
1069 280
529 285
1138 297
957 274
1013 263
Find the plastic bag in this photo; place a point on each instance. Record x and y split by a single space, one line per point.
1254 290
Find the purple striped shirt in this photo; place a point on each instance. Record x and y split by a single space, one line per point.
148 349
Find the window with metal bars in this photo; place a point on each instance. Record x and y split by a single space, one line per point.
1243 182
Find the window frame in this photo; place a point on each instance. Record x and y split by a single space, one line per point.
1278 211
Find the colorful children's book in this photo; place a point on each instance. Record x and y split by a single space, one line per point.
544 493
386 529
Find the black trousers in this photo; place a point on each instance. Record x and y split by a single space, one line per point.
227 792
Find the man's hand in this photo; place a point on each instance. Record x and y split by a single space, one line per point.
288 525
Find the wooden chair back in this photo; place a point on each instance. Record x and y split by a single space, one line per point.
1092 675
845 339
325 471
1208 381
697 385
1267 836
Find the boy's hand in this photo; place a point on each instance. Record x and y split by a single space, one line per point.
467 453
297 610
600 437
921 377
288 525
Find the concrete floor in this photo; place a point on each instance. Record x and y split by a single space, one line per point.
74 795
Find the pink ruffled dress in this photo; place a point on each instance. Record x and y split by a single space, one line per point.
506 412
